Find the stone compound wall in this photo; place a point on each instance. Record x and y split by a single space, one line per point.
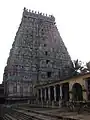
38 54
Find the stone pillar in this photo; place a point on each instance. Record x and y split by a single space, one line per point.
49 94
61 92
70 91
37 99
85 90
41 96
54 93
60 100
85 95
52 104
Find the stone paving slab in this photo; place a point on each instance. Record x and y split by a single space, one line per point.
48 114
10 117
62 112
74 115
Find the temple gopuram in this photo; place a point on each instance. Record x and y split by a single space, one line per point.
39 67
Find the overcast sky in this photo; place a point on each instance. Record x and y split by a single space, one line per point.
72 19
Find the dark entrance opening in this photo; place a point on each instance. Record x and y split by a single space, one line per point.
2 100
39 92
46 94
65 91
57 92
48 74
51 93
77 93
43 94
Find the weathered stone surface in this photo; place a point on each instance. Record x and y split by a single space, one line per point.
38 55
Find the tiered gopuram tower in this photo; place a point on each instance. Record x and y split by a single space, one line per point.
38 55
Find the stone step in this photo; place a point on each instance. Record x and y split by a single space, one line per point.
8 117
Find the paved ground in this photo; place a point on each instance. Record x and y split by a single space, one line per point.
82 116
61 112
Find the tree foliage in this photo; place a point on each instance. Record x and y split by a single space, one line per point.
79 67
88 65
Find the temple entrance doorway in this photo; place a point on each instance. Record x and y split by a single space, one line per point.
46 93
39 93
65 91
77 93
51 93
43 94
57 92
